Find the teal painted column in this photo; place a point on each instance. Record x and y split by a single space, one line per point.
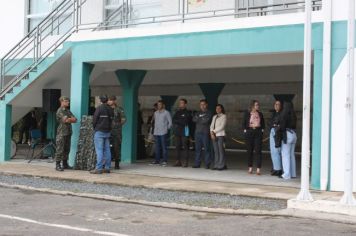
5 134
130 81
79 99
317 114
169 101
51 125
211 92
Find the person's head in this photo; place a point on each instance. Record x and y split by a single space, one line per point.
203 104
182 103
112 100
277 106
160 105
64 101
103 99
155 106
254 105
220 109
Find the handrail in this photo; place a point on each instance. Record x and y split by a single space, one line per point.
34 29
33 41
67 9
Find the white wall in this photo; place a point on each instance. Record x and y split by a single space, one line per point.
338 129
12 24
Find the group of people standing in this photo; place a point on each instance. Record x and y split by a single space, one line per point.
209 135
107 123
207 128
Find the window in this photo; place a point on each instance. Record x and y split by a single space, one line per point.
37 10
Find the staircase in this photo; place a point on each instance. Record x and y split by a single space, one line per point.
39 49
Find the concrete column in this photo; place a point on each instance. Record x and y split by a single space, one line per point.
169 101
130 81
211 92
5 134
79 96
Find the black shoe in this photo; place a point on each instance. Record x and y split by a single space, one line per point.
117 165
66 166
154 163
225 167
207 166
195 166
59 167
214 168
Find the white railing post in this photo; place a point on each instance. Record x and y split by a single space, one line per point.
348 197
304 193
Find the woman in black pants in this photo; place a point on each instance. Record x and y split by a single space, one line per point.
253 126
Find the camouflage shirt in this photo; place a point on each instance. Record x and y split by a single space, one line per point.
119 118
63 128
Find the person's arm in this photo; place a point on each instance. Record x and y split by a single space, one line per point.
244 122
195 117
96 117
175 119
262 121
169 119
71 118
205 120
212 124
123 116
220 126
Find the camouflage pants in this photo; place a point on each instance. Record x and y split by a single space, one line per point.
116 147
62 147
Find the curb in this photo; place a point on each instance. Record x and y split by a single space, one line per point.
336 218
137 186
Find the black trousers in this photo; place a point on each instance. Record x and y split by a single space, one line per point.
182 141
253 139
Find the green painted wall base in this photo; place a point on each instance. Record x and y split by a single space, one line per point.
130 81
51 125
5 134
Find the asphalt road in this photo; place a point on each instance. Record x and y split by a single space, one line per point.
34 213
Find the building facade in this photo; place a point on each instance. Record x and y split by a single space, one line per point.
225 50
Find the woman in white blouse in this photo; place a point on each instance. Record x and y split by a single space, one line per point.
217 133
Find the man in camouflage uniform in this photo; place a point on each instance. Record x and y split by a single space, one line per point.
65 118
116 135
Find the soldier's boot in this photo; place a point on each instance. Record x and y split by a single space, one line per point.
117 164
66 166
59 167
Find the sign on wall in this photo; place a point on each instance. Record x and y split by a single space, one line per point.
196 2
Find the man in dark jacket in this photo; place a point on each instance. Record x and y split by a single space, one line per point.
202 121
102 123
181 122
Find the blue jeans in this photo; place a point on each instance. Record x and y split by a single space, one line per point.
288 155
161 147
102 149
202 140
275 152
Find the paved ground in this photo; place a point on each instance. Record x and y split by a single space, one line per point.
45 214
168 181
222 201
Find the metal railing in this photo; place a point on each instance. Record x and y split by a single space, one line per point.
38 45
67 16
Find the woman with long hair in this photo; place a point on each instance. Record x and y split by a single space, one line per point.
275 139
288 126
253 126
